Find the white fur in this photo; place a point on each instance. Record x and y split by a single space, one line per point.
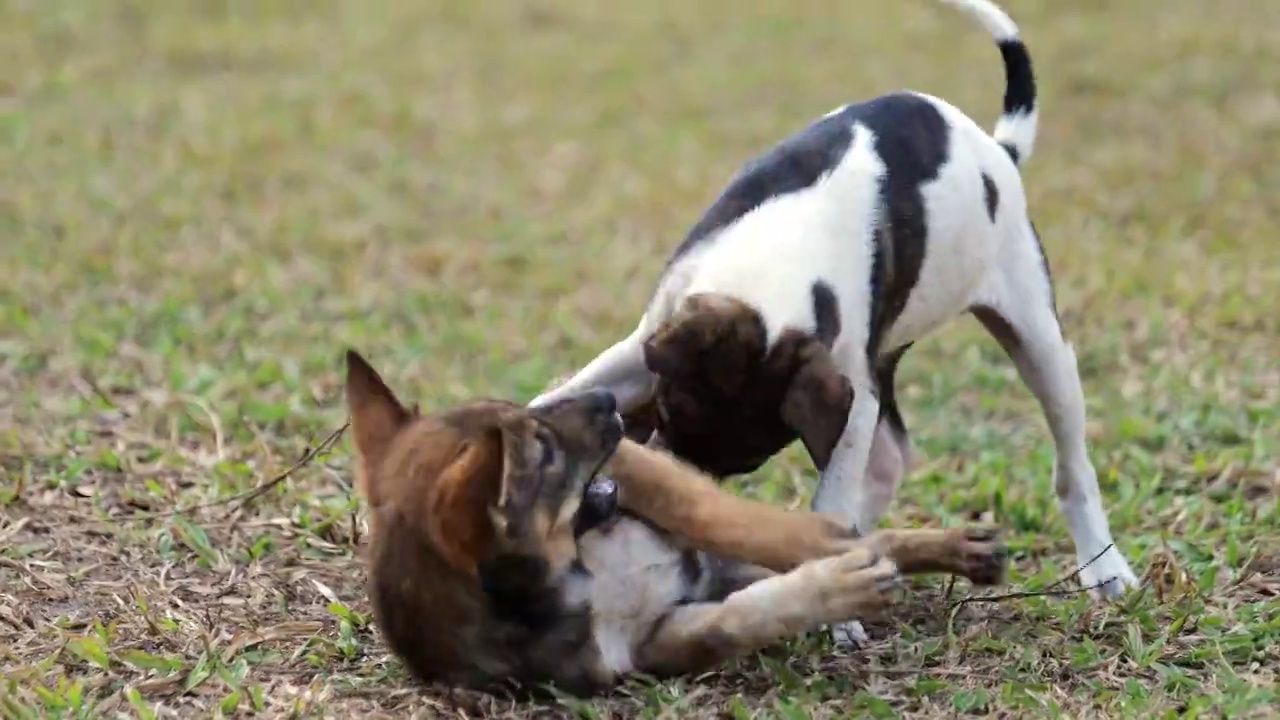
826 237
826 231
996 21
636 578
1016 130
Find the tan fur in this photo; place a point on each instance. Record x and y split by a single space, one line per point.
477 575
677 497
684 501
695 637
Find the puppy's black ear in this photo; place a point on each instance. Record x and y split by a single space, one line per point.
817 404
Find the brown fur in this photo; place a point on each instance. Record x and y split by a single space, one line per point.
690 504
477 575
770 559
726 401
465 526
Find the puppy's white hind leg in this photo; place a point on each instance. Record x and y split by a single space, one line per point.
620 370
1018 311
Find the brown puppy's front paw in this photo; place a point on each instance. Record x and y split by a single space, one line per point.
863 582
983 556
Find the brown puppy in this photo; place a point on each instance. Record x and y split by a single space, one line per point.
498 553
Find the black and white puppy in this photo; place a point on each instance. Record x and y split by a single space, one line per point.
869 229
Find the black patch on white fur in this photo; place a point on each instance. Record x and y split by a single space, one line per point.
690 560
913 141
792 165
882 265
885 371
1020 78
1044 264
999 328
1020 84
826 313
991 195
911 138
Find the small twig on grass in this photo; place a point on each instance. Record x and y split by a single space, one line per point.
1081 569
253 493
1047 592
1029 594
321 449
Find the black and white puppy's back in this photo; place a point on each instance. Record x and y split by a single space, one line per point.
867 230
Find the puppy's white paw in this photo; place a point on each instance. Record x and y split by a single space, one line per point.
1109 576
848 635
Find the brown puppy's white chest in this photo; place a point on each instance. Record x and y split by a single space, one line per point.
637 576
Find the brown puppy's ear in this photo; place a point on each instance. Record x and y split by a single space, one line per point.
464 512
376 418
817 405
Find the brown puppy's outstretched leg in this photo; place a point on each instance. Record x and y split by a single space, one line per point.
698 636
683 501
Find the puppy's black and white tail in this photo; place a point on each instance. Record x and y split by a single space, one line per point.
1016 130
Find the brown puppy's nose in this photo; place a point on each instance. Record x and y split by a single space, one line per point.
601 402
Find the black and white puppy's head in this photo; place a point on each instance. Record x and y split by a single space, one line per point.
726 400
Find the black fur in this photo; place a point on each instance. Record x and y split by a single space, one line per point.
599 505
911 138
794 164
885 372
798 161
1020 84
826 313
991 195
1044 263
913 142
520 590
1020 78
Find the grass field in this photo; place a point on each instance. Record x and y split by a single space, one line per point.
203 203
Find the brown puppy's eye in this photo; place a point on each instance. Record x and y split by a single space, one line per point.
548 453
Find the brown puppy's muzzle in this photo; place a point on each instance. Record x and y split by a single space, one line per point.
590 428
587 423
602 409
